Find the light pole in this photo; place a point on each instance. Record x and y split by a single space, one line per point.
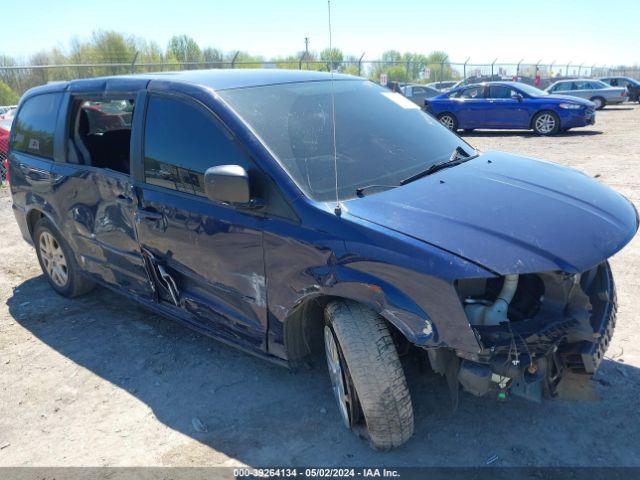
464 68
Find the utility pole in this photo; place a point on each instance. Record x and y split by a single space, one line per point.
306 50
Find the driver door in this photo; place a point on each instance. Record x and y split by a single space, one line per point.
206 257
504 110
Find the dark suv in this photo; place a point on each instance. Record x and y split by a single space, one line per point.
280 211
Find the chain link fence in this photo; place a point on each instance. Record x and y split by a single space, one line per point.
22 77
3 156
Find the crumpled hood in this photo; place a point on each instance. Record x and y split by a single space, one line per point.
509 214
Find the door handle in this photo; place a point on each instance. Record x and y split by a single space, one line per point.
145 214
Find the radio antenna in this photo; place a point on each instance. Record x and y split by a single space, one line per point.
338 208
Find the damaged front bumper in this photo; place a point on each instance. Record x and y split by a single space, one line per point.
558 326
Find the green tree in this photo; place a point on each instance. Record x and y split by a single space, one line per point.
397 73
7 96
212 57
440 67
184 49
391 57
332 57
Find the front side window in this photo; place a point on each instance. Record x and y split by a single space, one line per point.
497 91
181 141
35 125
472 92
581 85
381 136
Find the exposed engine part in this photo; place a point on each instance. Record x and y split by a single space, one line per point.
475 377
556 328
495 313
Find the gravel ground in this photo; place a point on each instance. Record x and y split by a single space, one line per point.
98 381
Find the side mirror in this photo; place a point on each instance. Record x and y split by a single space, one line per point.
517 96
227 184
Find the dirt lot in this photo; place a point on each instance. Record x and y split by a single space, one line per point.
99 381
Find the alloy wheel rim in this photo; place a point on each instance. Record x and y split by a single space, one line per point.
447 121
597 102
336 374
545 123
53 259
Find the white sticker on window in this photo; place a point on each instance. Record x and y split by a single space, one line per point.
404 102
34 144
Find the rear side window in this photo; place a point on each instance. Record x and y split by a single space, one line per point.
35 125
182 140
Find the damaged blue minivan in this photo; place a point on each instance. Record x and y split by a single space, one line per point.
290 213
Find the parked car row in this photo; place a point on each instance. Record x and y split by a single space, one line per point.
631 85
510 105
600 93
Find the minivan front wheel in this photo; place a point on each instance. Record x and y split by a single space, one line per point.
58 262
366 374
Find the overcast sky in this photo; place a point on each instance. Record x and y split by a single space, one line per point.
587 31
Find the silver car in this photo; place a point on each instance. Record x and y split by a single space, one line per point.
418 93
598 92
442 86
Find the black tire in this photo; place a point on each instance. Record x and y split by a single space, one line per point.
600 102
539 129
449 120
371 366
76 284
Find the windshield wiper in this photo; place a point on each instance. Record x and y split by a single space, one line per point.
458 156
360 190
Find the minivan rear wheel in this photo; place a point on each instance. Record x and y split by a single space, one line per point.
366 374
58 262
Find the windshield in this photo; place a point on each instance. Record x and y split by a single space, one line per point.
533 91
381 137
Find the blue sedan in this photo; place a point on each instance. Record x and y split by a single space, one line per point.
510 105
